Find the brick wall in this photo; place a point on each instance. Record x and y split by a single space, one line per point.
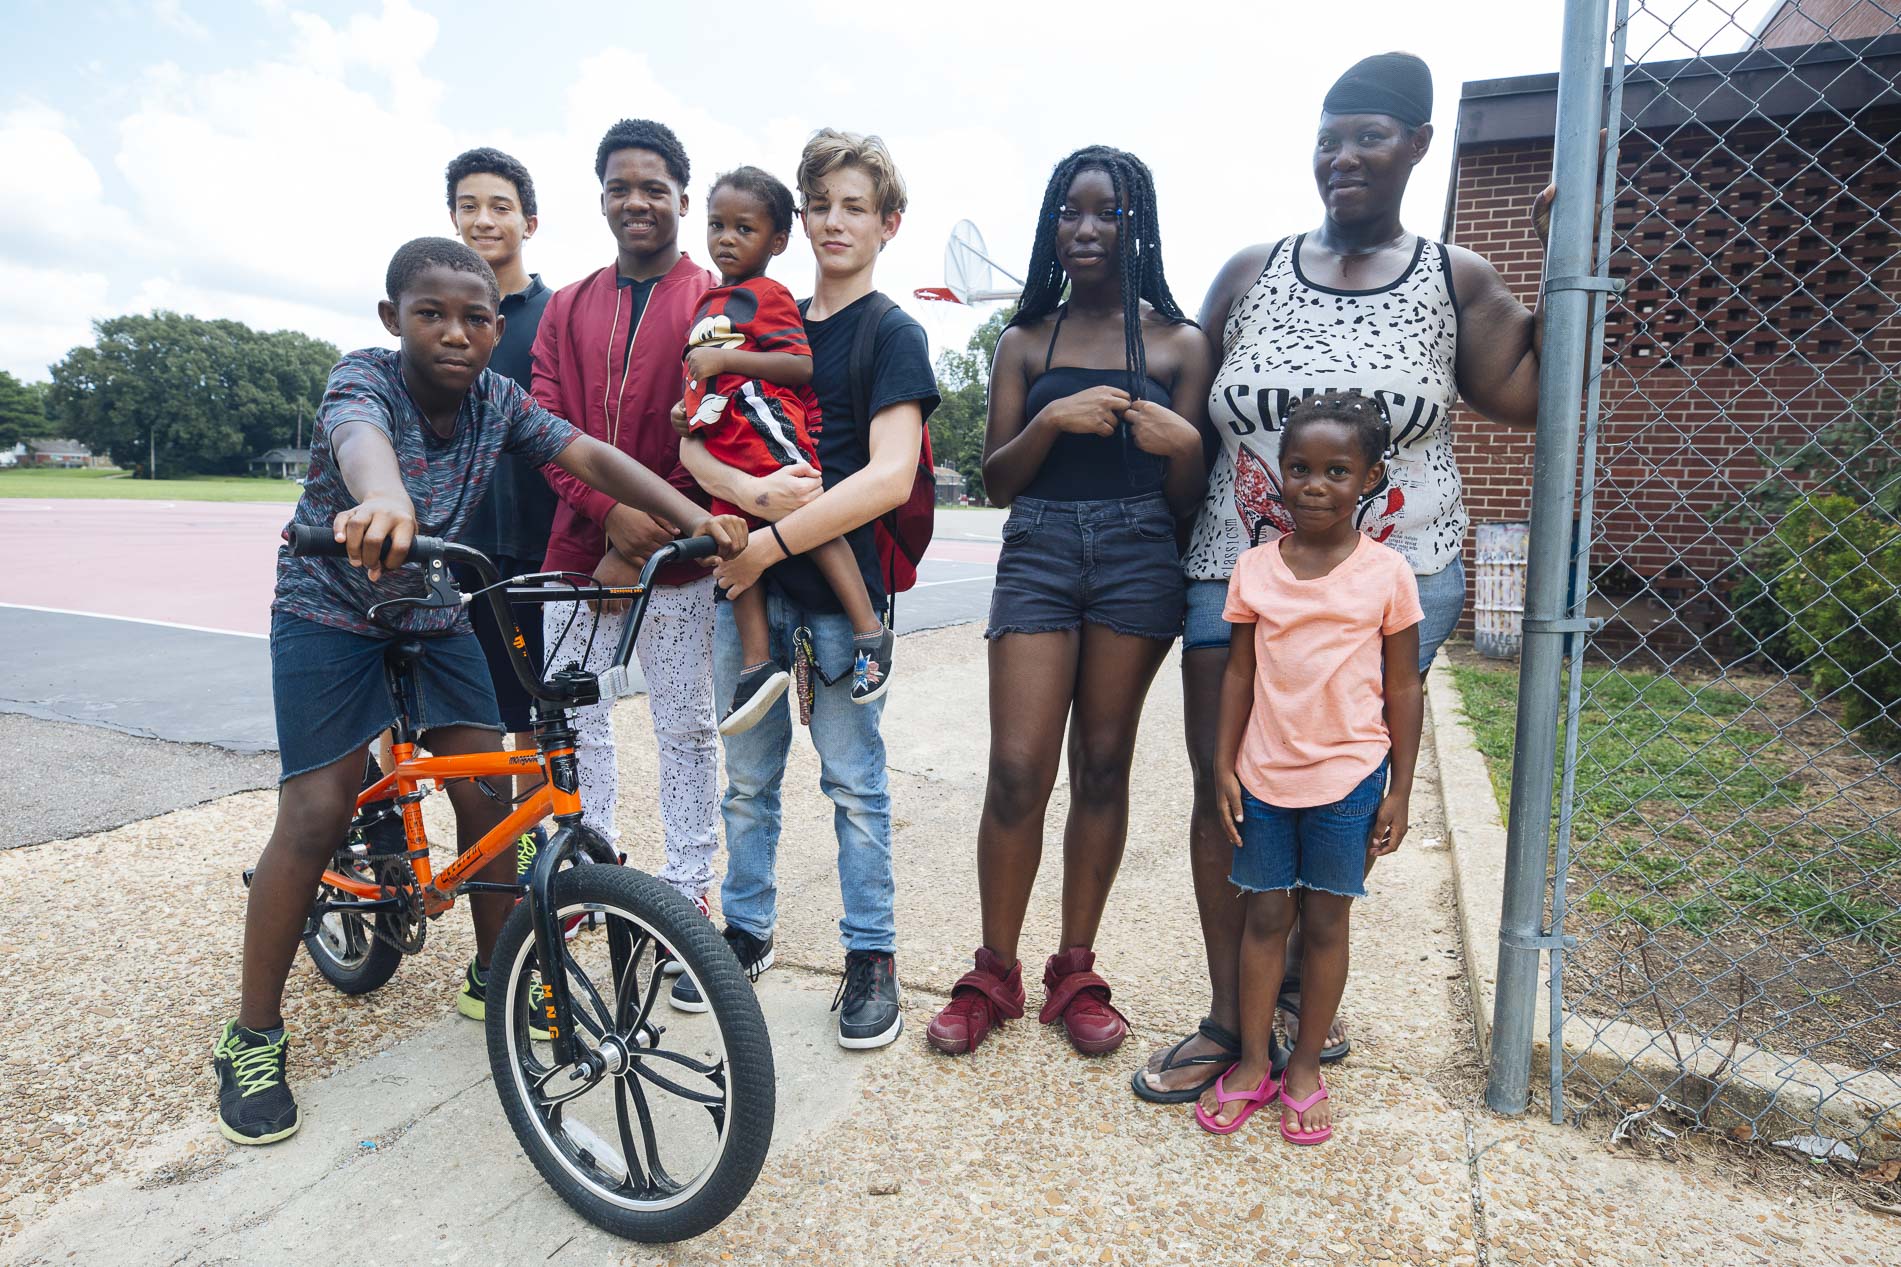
1761 267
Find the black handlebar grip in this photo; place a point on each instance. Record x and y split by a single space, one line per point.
319 541
314 540
695 548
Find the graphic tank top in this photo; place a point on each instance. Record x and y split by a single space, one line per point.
1286 338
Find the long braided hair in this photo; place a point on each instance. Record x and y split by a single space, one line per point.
1138 251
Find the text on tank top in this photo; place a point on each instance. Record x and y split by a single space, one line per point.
1090 468
1287 337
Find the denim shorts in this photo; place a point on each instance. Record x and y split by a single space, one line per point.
1322 847
1203 626
331 698
1109 563
1441 598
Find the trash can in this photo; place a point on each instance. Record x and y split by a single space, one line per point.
1498 620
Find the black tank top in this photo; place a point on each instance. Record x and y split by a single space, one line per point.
1090 468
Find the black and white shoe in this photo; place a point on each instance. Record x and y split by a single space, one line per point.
871 666
754 955
868 1000
758 690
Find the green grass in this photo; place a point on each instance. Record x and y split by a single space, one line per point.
1688 814
57 484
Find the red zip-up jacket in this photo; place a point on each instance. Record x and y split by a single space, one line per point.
585 373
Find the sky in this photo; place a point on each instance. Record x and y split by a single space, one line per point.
261 160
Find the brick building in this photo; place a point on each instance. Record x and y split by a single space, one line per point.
1756 228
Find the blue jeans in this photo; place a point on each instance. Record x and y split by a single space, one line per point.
1441 599
851 772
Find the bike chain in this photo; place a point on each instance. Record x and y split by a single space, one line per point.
393 871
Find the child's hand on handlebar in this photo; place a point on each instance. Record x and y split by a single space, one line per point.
729 531
377 533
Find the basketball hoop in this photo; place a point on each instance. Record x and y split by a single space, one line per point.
969 272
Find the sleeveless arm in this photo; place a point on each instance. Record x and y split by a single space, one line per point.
1187 476
1499 342
1014 448
1229 285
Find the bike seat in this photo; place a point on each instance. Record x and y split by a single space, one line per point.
402 652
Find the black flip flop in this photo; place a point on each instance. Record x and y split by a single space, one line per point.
1332 1055
1220 1062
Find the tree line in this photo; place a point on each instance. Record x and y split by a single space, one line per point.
168 394
200 397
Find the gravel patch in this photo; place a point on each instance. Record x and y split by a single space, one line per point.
137 933
1022 1153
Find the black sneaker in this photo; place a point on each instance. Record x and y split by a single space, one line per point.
754 955
255 1105
527 845
871 666
758 690
867 1001
472 999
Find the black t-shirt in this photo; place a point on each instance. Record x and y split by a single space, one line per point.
515 517
901 372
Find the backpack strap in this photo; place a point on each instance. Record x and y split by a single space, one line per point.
863 366
862 369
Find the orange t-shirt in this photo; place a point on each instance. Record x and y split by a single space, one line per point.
1318 726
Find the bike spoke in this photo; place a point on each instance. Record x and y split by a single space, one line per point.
627 968
661 1179
668 1084
651 996
637 1182
575 975
715 1071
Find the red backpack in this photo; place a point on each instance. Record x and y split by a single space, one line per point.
902 534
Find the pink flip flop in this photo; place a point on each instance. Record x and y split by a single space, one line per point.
1270 1088
1301 1137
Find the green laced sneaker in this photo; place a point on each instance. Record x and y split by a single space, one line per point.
527 845
255 1105
472 1001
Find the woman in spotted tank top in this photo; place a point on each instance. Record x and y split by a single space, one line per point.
1357 304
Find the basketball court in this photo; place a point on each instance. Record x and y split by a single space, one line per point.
151 618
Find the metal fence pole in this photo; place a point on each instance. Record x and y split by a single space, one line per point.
1567 287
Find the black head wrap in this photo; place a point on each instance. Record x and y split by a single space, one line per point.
1396 84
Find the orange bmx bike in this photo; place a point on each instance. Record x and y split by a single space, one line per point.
652 1132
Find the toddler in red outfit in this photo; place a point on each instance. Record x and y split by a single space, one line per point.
749 396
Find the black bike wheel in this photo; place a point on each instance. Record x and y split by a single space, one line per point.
668 1144
344 945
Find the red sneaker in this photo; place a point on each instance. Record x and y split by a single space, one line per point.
983 998
1080 999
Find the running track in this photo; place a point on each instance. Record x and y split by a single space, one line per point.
149 617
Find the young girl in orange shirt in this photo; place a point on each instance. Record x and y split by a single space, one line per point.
1320 702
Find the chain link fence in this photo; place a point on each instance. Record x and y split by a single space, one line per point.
1729 827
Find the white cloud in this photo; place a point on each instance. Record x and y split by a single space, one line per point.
172 16
66 218
50 312
269 179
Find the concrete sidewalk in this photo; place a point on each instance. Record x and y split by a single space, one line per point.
1022 1153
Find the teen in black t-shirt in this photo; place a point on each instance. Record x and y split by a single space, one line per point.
854 200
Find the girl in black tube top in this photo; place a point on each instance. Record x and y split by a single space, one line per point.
1097 403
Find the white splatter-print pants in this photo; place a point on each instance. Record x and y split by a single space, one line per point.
675 649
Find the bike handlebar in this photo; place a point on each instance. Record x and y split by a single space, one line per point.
432 553
319 542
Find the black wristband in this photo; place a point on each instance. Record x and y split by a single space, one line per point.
789 552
